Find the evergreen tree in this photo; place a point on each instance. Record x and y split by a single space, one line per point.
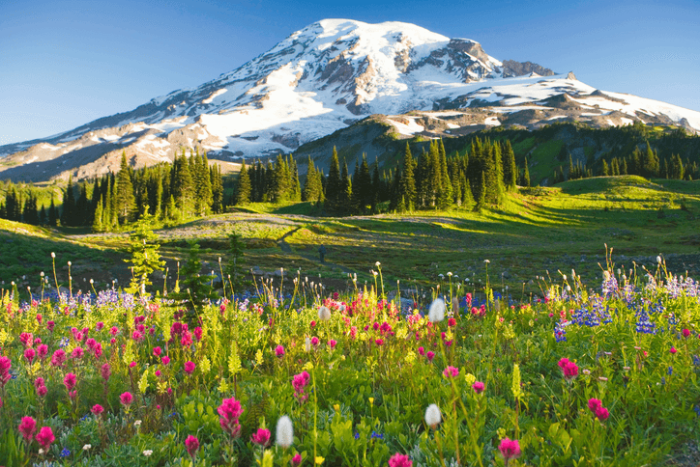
234 268
445 195
510 170
407 185
606 169
243 188
334 183
145 257
526 175
68 213
346 195
53 216
98 222
125 192
195 289
312 185
481 200
43 220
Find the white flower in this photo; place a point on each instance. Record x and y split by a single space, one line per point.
564 276
432 416
487 261
437 311
41 451
87 447
377 264
147 452
285 432
658 259
53 255
449 274
324 314
137 423
307 345
69 264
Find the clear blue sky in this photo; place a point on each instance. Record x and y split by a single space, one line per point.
64 63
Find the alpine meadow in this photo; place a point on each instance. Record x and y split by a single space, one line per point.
370 245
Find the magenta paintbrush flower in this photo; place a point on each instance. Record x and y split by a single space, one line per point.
27 428
509 448
70 380
279 351
400 460
450 372
478 387
45 437
126 399
189 367
192 445
261 437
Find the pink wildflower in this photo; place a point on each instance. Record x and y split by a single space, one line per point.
673 350
189 367
157 351
261 437
450 372
165 360
279 351
296 460
45 437
97 409
70 381
192 445
230 411
509 448
29 354
594 404
478 387
400 460
58 358
602 413
430 355
126 399
332 343
106 371
27 428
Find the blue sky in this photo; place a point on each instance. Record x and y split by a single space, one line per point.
66 62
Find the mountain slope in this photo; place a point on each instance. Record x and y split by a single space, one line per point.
322 79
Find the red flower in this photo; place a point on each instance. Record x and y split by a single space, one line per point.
189 367
192 445
602 413
450 372
594 404
478 387
400 460
296 460
686 332
261 437
97 409
45 437
29 354
673 350
230 411
70 381
509 448
126 399
279 351
27 428
450 322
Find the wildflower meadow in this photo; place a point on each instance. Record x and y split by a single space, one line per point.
295 375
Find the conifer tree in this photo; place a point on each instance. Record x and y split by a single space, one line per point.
145 258
53 216
481 200
243 188
510 170
125 192
445 194
68 213
346 195
526 175
605 169
407 185
333 183
98 222
195 288
312 185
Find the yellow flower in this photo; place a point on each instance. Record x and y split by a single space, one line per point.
336 407
371 401
267 459
309 366
470 379
501 432
143 382
223 386
319 460
205 365
410 357
259 357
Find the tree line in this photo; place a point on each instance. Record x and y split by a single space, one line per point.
186 188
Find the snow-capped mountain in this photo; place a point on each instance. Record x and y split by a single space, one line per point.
322 79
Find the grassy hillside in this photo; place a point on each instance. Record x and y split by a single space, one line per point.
537 230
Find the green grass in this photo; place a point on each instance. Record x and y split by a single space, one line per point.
536 230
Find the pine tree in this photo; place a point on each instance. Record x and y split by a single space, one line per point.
481 200
510 170
312 185
334 183
125 192
195 289
407 185
42 216
526 175
282 187
446 191
346 195
98 221
243 188
606 169
145 257
53 216
217 189
68 213
234 268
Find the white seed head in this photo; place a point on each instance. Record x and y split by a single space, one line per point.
147 452
487 261
70 263
53 255
285 432
324 314
377 264
658 259
437 311
606 275
87 447
432 416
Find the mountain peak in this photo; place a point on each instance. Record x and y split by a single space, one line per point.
322 79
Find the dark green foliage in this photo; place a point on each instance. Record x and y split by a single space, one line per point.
144 255
126 202
193 289
234 276
243 187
